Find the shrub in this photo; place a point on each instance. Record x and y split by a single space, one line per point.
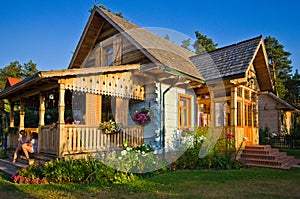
107 170
221 156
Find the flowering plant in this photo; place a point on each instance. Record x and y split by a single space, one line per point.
52 126
142 116
111 127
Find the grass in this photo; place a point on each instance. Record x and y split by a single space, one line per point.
293 152
246 183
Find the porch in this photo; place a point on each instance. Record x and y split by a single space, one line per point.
78 101
80 139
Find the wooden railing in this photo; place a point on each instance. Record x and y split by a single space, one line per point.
48 140
80 138
87 139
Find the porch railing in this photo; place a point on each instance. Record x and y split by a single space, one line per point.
87 139
48 140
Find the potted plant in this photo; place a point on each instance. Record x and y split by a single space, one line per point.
110 127
141 117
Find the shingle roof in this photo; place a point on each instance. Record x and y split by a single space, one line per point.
228 62
159 50
284 103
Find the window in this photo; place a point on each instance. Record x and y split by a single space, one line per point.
184 111
109 57
203 114
222 114
108 105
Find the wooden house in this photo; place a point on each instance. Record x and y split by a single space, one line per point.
117 69
234 77
276 114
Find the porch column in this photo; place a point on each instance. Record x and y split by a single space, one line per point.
121 113
61 120
22 114
12 115
212 108
42 110
234 114
42 119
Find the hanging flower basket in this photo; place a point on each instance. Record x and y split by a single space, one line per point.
110 127
142 117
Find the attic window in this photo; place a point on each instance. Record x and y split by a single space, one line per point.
109 57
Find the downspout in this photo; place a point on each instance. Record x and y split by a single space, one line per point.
162 136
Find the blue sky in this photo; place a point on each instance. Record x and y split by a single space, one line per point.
48 31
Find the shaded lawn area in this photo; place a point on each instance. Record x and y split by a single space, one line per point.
293 152
246 183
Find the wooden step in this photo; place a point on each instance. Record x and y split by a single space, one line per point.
34 158
10 168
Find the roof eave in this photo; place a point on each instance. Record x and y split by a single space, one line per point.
19 85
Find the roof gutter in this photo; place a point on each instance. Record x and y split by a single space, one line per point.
176 72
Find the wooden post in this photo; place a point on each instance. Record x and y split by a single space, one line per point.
42 110
12 116
212 108
22 115
121 114
243 108
61 120
234 113
42 119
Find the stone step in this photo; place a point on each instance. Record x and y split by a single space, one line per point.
267 151
258 147
265 156
275 156
283 162
291 163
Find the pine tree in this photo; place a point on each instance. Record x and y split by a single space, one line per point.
280 65
203 43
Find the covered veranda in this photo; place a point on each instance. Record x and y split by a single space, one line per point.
81 94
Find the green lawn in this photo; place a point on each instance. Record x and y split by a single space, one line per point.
246 183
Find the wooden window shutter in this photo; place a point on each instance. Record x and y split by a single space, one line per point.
93 109
117 46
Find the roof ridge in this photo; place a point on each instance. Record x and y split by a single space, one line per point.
236 44
134 25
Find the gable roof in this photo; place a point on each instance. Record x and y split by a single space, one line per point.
285 105
12 81
233 61
159 50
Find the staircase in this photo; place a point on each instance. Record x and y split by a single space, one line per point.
265 156
10 168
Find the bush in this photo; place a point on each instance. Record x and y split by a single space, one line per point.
104 171
222 156
264 135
